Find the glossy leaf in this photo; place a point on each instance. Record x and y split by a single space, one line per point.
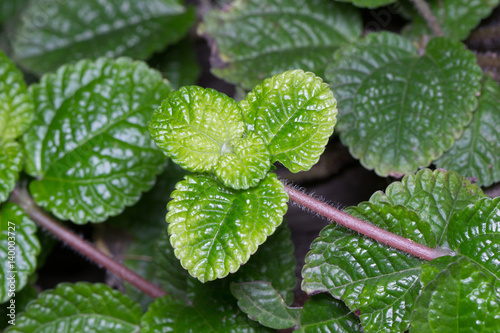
477 152
475 234
212 310
294 113
245 163
11 162
16 108
376 280
54 32
401 111
262 303
457 18
434 195
459 299
369 3
254 41
77 308
195 126
89 145
322 313
215 229
18 246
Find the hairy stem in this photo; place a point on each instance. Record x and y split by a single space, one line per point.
23 199
424 10
363 227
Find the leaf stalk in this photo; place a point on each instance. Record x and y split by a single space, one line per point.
425 10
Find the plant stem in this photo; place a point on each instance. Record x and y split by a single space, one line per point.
424 10
363 227
23 199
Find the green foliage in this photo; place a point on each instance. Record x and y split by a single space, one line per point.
369 3
215 229
401 111
477 152
88 145
18 245
255 40
16 111
79 307
54 32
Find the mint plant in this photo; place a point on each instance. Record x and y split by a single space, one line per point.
95 135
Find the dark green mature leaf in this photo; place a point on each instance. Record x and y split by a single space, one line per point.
376 280
19 248
255 40
477 152
262 303
322 313
475 233
434 195
369 3
457 18
401 111
11 163
215 229
89 145
195 126
56 32
460 298
78 308
294 113
212 310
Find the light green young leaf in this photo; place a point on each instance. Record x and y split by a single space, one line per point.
89 145
477 152
215 229
369 3
78 308
434 195
457 18
55 32
195 126
18 243
475 234
294 112
322 313
380 282
401 111
255 41
262 303
460 298
245 162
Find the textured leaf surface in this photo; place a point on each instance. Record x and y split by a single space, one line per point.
294 113
459 299
262 303
78 308
434 195
245 163
322 313
212 310
89 145
16 108
379 282
11 159
369 3
19 233
401 111
255 40
215 229
457 18
54 32
477 152
194 126
475 234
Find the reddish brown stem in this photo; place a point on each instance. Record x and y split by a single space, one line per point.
23 199
424 10
363 227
